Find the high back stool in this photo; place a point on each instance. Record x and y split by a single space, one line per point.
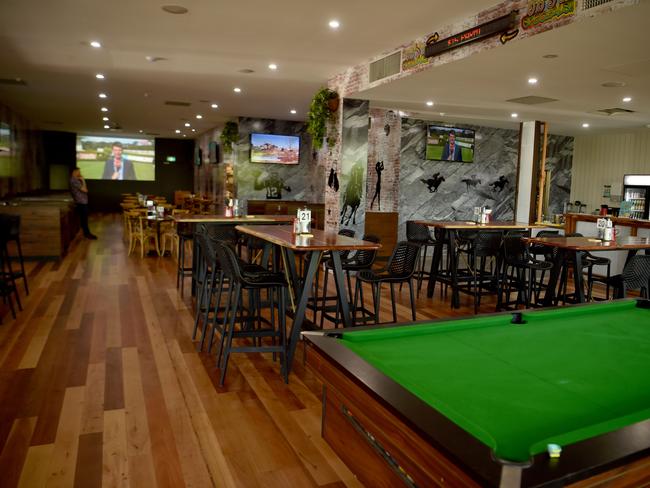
252 282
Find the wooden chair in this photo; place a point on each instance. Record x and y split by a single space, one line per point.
143 234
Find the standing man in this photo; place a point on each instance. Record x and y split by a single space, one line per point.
79 193
117 166
452 151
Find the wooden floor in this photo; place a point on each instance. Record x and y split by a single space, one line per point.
101 385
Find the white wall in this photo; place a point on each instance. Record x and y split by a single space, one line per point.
604 159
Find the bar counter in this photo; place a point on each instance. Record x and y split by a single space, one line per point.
572 219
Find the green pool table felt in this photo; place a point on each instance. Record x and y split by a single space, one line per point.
565 375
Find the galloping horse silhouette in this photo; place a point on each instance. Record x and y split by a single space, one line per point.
434 182
352 195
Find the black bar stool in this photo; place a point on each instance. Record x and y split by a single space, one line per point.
253 282
10 225
185 234
399 269
360 261
419 234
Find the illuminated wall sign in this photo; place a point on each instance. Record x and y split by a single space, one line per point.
496 26
543 11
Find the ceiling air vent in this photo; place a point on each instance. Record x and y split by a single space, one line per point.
384 67
532 100
177 104
615 111
587 4
13 81
152 133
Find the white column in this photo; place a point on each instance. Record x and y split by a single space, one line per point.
525 171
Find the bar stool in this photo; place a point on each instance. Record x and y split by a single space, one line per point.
399 269
185 235
253 282
10 225
419 234
523 268
360 261
485 245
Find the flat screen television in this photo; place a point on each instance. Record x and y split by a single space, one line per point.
450 144
116 158
6 160
273 148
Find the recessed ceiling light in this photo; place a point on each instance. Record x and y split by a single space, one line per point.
184 135
174 9
140 131
273 66
102 95
107 126
237 89
430 103
193 130
585 125
293 111
99 76
187 124
613 84
532 81
442 114
550 56
178 131
199 116
214 105
105 119
104 109
514 115
95 44
334 24
627 99
155 59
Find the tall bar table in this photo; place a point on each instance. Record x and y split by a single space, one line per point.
448 233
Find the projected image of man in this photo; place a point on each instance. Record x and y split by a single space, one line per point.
118 166
452 151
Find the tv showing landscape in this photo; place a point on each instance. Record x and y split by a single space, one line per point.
116 158
272 148
450 144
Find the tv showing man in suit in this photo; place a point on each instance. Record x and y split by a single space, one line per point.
116 158
452 151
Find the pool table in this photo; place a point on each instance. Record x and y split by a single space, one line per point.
477 401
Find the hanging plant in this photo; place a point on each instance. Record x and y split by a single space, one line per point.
321 109
229 136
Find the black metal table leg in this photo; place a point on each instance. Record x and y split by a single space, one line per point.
435 263
299 317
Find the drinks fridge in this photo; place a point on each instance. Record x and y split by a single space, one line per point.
636 191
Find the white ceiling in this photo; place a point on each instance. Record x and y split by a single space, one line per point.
46 44
609 47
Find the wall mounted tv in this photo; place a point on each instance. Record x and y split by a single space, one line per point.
450 144
273 148
116 158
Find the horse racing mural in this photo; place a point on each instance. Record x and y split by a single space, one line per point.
353 167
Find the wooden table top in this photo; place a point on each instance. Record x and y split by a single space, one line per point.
591 243
321 241
242 219
468 224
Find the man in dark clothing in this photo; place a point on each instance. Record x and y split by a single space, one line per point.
79 193
118 166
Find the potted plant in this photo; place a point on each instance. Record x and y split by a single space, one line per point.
229 136
321 109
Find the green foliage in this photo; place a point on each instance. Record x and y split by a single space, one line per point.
319 114
229 136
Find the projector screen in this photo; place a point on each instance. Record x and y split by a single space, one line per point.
116 158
